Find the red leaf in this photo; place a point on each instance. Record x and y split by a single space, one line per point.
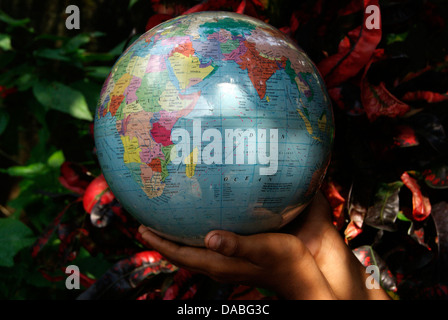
354 52
66 250
241 7
352 7
85 280
378 101
367 256
183 278
243 292
436 178
199 7
427 96
50 277
413 75
351 231
405 137
98 190
304 14
337 203
74 177
43 239
127 276
258 4
433 16
244 6
347 98
156 20
421 206
4 91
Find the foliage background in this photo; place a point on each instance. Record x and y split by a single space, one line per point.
387 182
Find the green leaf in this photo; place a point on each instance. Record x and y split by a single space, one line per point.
131 3
60 97
42 149
13 22
401 216
25 81
98 72
50 37
26 171
5 42
7 58
87 57
92 266
119 48
91 91
12 77
14 236
74 43
384 212
53 54
56 159
396 37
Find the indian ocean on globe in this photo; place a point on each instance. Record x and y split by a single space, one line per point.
213 120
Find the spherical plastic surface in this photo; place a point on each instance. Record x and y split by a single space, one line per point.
213 120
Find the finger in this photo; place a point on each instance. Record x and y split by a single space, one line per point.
259 249
170 250
213 264
224 242
230 244
193 258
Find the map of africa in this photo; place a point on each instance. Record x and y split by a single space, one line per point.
213 120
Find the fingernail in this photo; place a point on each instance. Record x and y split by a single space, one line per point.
214 242
142 229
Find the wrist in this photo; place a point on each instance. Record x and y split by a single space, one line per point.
305 281
346 275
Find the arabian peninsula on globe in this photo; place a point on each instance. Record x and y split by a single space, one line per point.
213 120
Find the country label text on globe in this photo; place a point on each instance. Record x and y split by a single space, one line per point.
213 120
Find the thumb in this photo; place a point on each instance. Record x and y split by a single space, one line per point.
251 247
224 242
257 248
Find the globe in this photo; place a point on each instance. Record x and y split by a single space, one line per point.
213 120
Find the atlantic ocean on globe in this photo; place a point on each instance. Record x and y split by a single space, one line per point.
213 120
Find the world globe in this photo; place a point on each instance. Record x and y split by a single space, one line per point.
213 120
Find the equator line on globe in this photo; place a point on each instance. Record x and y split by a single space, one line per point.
213 120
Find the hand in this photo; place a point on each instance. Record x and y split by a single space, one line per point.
267 260
308 260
